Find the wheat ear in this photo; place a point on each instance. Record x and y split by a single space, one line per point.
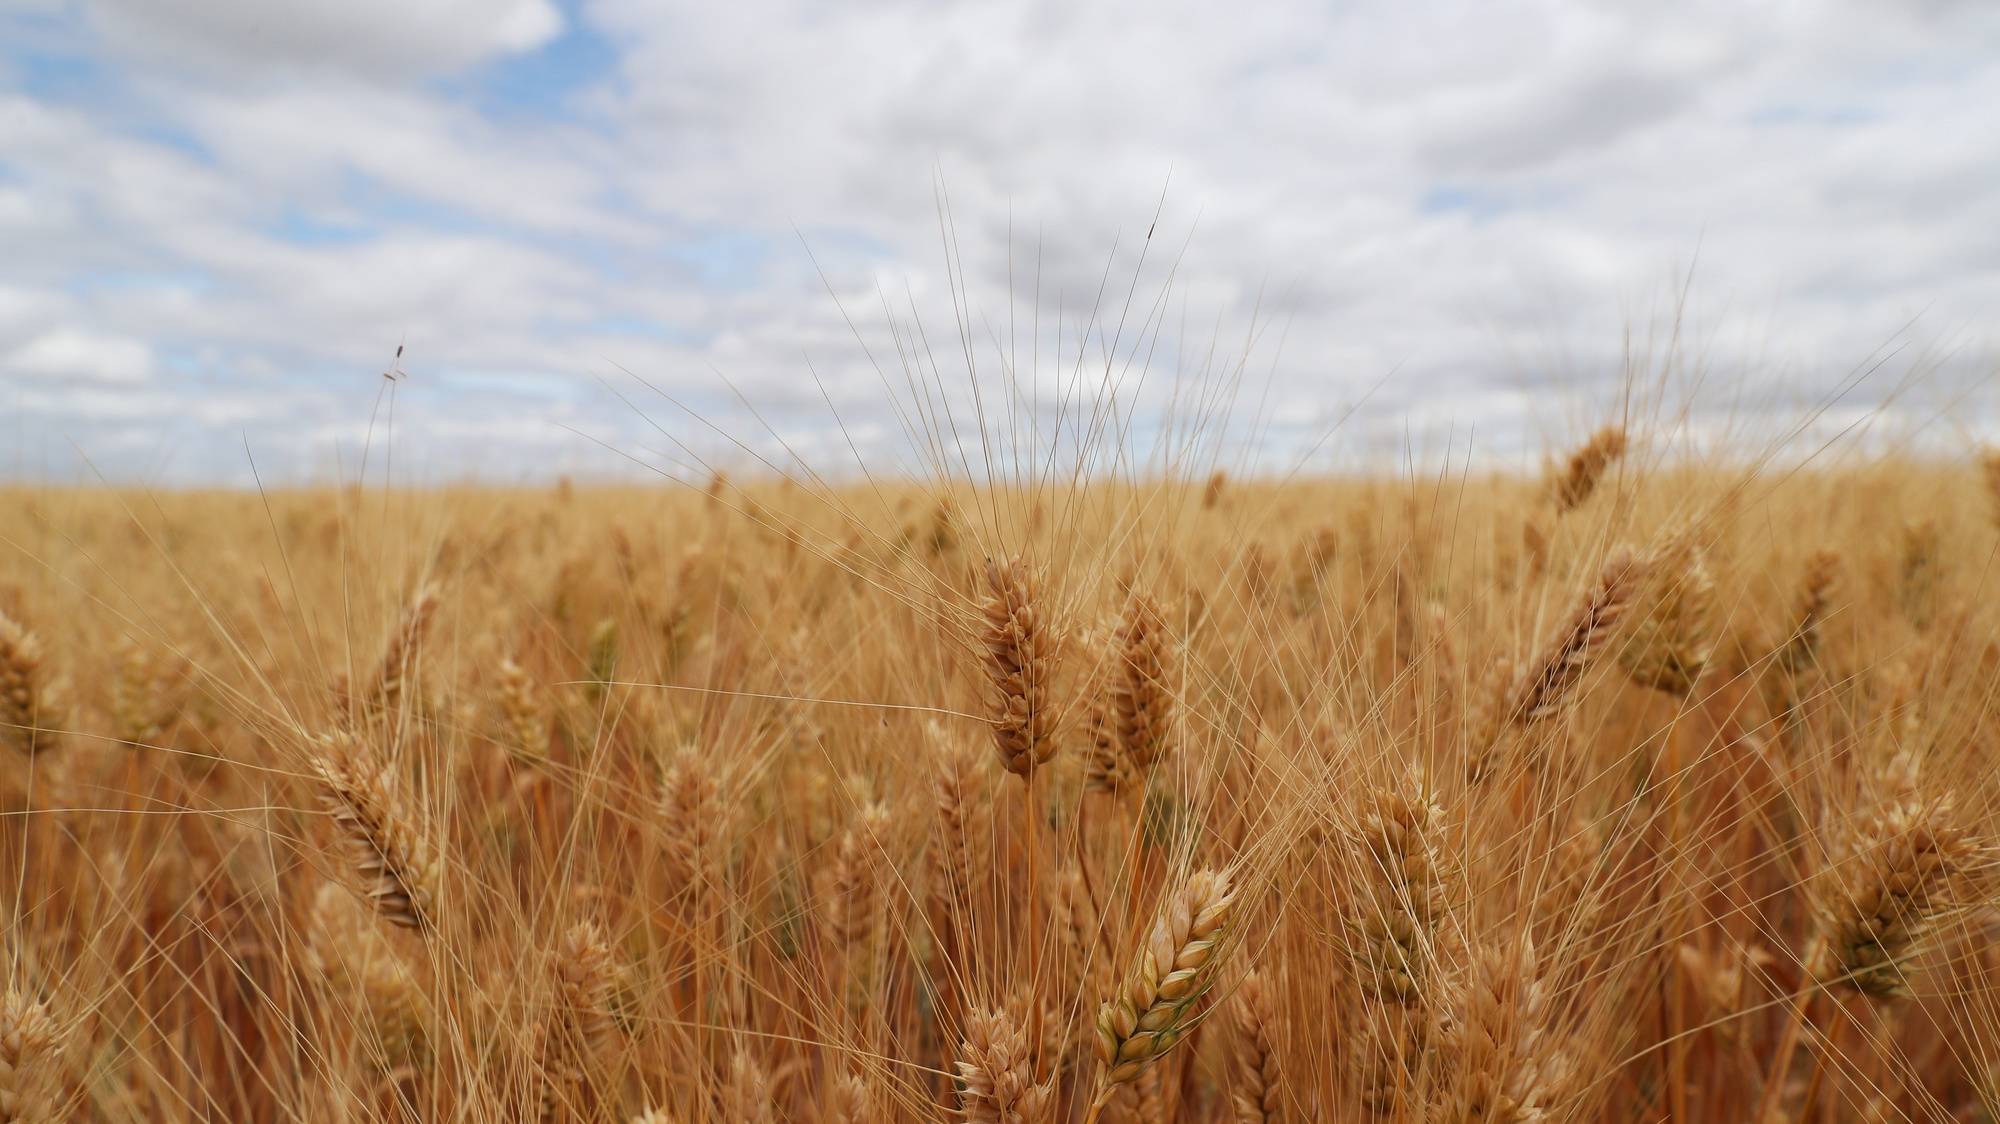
1670 646
1586 467
691 820
1900 871
29 1040
579 1025
955 846
1504 1069
1155 1008
389 849
1816 589
1989 471
1550 680
1256 1076
996 1071
1922 564
142 707
850 1100
1022 655
527 719
747 1096
1401 899
351 955
1140 694
853 888
25 707
399 658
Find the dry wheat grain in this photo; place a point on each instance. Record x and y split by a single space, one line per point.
389 849
1154 1008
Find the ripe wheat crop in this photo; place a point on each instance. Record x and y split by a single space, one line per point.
1646 790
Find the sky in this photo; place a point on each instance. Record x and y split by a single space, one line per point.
617 238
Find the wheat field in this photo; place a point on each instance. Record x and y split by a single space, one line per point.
1642 791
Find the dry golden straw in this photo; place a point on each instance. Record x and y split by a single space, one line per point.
1405 799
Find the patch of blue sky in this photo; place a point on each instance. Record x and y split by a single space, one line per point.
542 83
717 256
722 258
302 228
167 134
181 361
609 262
56 73
1485 203
717 259
388 206
100 281
476 384
374 208
47 52
638 327
58 64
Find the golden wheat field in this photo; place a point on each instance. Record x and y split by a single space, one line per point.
1638 792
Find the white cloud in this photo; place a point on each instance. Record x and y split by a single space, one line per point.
67 353
378 37
1450 213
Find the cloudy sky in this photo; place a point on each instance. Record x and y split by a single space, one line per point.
614 233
